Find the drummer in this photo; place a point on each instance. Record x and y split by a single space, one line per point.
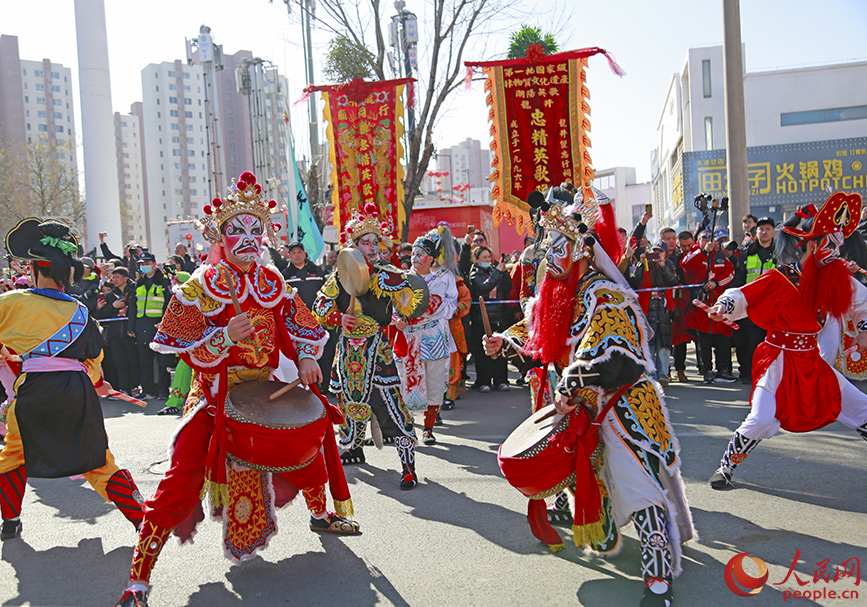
586 323
226 349
364 376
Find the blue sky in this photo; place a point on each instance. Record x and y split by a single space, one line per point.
649 38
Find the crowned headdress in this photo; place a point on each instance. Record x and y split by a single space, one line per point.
367 222
587 219
243 196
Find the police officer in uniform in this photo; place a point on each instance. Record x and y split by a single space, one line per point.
152 294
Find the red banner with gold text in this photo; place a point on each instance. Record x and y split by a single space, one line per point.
364 136
540 127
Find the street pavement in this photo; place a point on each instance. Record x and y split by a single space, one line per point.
461 537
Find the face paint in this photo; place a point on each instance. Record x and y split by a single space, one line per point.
829 248
559 256
369 247
244 237
421 261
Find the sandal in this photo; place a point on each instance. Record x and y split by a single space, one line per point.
352 456
167 410
333 523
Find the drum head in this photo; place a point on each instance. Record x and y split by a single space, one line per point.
418 286
249 402
352 272
533 432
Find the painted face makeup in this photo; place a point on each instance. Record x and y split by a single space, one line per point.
369 247
244 237
421 261
559 256
829 248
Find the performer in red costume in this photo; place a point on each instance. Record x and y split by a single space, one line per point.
225 349
793 388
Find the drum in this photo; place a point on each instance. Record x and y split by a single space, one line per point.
274 436
532 464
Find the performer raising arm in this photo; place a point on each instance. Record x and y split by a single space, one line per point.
793 387
55 424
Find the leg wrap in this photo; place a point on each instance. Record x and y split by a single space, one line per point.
12 485
352 433
862 430
122 490
315 498
151 540
430 416
406 452
736 452
650 524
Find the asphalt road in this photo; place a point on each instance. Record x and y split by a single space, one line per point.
461 537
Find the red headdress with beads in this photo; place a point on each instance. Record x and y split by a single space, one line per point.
243 196
367 222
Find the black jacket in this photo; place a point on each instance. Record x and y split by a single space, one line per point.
308 280
482 282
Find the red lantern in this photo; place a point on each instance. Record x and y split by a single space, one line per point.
189 236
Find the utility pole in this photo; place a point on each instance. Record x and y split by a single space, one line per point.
211 60
307 9
403 37
736 130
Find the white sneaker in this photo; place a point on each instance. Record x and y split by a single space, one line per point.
485 389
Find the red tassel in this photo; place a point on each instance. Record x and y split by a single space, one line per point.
304 97
612 63
468 79
537 515
606 228
588 504
410 94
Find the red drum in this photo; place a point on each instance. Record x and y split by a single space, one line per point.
532 462
274 436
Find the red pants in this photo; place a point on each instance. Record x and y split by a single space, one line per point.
180 490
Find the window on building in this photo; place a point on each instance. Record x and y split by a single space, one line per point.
189 127
705 77
58 102
192 166
171 74
186 75
173 99
41 114
40 86
187 88
177 166
173 113
40 100
176 139
708 132
55 88
43 128
191 153
857 112
176 152
173 87
188 114
55 75
174 126
58 128
37 73
189 101
58 116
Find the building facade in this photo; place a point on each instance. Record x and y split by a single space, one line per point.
466 163
806 133
36 103
130 177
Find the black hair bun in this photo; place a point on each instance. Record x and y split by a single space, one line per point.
563 195
55 229
589 241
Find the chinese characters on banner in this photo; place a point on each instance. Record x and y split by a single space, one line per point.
539 124
788 174
364 134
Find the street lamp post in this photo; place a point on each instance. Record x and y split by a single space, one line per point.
403 36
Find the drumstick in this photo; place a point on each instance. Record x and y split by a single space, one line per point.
127 398
278 393
703 306
237 303
485 320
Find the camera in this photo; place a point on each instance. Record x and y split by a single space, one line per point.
705 202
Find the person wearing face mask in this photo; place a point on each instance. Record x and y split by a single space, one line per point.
152 294
489 280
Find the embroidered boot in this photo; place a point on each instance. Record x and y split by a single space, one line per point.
736 452
650 523
151 539
406 453
12 486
